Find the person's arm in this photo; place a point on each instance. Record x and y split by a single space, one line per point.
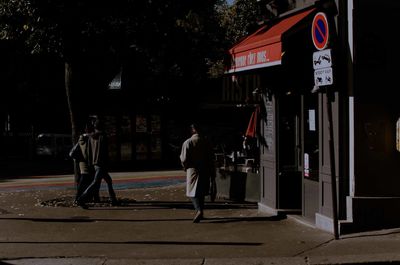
106 155
184 155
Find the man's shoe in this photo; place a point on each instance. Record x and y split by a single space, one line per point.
198 217
81 204
114 202
96 199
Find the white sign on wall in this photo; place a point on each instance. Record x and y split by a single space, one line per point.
306 165
322 64
311 120
323 77
322 59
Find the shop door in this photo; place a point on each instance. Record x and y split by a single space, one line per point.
289 153
310 157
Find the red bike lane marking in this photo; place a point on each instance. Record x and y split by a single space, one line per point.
72 184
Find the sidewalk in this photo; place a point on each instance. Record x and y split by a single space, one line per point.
154 226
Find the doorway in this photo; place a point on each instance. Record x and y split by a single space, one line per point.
289 153
311 158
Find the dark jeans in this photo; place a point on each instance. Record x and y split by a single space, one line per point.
100 173
83 184
198 203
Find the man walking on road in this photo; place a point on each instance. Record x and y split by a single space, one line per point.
197 160
99 159
86 173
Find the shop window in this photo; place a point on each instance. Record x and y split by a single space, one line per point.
110 124
141 137
398 135
7 124
126 138
155 140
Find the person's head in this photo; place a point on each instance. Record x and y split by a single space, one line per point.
194 128
89 127
98 125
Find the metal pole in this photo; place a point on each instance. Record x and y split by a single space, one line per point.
329 100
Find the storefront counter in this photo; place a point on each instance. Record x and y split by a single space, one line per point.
238 183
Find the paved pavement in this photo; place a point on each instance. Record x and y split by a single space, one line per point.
121 180
153 225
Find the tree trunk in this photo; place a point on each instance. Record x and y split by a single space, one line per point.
69 94
68 89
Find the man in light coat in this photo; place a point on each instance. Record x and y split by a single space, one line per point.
197 160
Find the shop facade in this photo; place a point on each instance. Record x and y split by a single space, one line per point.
143 134
328 124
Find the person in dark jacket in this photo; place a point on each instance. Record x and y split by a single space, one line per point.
80 154
86 176
98 159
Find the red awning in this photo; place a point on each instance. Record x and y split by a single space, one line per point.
263 48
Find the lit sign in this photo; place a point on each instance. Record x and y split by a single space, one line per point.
265 56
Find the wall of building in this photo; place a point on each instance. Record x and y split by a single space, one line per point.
376 113
374 195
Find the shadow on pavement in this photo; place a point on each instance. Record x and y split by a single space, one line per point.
84 219
150 242
246 219
131 204
12 169
375 233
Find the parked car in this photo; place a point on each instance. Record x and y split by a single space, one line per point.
53 145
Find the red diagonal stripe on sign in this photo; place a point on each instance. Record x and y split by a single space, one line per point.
320 31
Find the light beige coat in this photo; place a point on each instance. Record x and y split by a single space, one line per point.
196 159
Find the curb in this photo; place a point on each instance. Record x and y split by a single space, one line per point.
389 258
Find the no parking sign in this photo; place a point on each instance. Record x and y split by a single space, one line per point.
322 59
320 31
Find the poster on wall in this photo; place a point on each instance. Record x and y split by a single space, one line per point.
398 135
126 138
306 165
311 120
126 151
126 126
156 147
155 123
110 124
141 123
269 128
141 149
